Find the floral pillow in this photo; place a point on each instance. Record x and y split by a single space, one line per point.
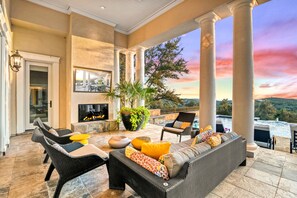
148 163
201 137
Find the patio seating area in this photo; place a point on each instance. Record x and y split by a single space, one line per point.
272 173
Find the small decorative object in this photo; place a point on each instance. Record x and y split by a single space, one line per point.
15 61
93 81
118 142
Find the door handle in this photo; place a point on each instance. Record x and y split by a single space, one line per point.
50 104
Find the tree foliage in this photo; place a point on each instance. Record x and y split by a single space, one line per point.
164 62
288 116
265 110
224 108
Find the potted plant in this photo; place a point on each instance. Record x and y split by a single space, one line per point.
133 117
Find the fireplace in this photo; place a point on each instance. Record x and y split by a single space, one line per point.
92 112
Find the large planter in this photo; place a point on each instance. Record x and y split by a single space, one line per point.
127 123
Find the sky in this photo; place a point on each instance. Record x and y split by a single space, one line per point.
275 54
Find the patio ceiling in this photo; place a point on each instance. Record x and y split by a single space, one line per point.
118 13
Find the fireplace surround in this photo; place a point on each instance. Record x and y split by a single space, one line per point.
92 112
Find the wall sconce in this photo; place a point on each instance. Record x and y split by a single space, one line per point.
15 61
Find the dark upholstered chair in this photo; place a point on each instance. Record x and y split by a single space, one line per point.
62 136
293 141
220 127
70 160
262 136
182 117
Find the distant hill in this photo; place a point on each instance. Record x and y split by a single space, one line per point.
282 103
278 103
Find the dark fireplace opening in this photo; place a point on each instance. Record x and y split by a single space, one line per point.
92 112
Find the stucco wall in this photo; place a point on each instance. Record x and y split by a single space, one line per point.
90 54
47 44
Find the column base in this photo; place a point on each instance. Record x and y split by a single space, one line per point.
252 150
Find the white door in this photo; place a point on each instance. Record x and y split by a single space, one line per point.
39 101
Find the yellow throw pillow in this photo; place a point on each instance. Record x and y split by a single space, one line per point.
129 150
214 140
155 149
208 127
185 125
139 141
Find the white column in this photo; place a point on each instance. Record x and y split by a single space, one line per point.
207 110
130 66
243 72
140 70
117 101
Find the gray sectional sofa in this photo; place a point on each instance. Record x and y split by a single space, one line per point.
197 178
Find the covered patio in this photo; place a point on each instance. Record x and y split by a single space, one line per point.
271 173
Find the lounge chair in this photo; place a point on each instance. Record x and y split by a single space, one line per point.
293 141
262 136
182 117
220 127
70 160
61 136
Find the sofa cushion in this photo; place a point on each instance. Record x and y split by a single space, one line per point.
173 130
139 141
53 131
214 140
228 136
201 137
89 149
181 125
175 161
150 164
155 149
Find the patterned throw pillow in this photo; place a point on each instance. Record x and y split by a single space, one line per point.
201 137
155 149
129 150
185 125
181 125
214 140
228 136
150 164
177 124
207 128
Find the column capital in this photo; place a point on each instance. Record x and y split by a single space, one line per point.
117 49
129 52
209 17
239 3
141 48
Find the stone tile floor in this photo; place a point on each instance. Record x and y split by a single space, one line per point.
271 173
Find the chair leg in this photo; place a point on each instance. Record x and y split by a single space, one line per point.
46 158
49 172
291 147
180 136
59 188
162 133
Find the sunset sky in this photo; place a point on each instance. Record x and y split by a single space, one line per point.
275 54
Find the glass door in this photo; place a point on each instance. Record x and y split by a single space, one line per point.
39 103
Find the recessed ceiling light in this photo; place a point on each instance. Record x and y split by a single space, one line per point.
102 7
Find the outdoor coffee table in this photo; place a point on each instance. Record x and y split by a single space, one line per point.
81 138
